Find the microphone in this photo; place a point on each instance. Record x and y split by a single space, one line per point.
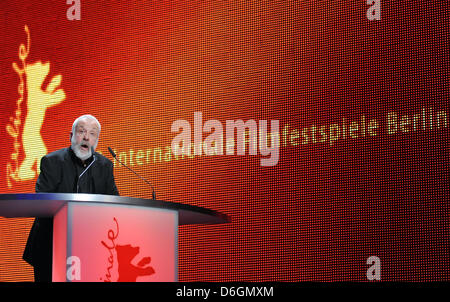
115 156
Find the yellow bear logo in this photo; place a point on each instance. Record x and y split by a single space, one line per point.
38 100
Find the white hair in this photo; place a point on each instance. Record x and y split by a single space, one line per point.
86 116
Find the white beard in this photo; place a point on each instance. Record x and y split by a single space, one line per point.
83 155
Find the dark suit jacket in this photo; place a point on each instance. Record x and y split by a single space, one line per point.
59 174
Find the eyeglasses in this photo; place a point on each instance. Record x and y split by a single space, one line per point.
83 132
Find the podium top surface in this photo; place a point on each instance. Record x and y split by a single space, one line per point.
47 204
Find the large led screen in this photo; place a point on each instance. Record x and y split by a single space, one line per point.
319 127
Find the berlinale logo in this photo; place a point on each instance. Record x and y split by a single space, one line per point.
125 254
37 99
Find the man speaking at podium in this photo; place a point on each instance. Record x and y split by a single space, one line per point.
76 169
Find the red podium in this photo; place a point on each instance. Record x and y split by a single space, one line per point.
110 238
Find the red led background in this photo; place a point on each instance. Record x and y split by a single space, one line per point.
326 207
